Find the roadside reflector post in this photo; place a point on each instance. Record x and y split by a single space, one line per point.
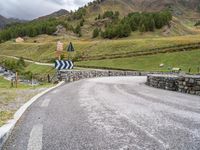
48 78
189 70
31 80
16 79
12 83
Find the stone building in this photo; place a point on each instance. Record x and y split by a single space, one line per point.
19 40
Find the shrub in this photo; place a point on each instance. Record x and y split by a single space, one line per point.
95 33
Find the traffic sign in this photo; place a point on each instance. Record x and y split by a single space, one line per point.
63 64
59 49
59 46
70 47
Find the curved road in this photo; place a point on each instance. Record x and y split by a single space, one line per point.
117 113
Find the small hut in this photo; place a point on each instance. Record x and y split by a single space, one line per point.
19 40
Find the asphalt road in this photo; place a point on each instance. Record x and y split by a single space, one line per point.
117 113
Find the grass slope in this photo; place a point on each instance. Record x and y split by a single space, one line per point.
45 50
183 60
39 72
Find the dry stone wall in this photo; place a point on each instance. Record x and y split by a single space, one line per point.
75 75
182 83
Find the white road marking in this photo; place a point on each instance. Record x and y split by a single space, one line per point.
35 140
45 103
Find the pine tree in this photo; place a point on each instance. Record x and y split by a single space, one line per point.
142 28
99 17
95 33
77 30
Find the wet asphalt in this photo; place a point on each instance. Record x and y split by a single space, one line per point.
115 113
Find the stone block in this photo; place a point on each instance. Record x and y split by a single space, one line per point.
192 92
181 86
181 78
198 93
180 82
186 79
196 88
191 81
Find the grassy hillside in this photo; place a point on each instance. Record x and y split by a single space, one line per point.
45 51
183 60
38 72
106 50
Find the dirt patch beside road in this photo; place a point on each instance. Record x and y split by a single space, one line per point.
11 99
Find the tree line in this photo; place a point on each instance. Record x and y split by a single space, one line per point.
37 27
109 14
136 21
30 29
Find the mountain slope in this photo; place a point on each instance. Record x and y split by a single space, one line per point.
5 21
61 12
186 13
151 5
183 8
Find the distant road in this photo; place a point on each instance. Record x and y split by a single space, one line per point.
116 113
30 61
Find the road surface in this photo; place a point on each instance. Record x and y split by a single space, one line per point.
116 113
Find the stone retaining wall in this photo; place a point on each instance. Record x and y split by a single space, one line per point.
185 84
75 75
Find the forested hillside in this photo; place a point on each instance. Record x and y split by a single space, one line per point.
115 19
116 28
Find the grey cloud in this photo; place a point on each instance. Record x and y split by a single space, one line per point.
30 9
59 2
79 2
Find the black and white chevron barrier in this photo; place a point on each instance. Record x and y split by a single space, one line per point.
63 64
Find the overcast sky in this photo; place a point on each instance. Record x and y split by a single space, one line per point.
30 9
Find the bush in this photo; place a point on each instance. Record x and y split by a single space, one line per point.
82 22
110 14
79 14
17 66
197 23
77 30
120 30
21 62
95 33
